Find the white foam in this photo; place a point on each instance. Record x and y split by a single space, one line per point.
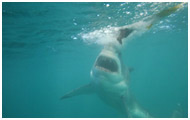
108 35
102 36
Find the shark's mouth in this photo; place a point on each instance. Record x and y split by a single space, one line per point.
107 64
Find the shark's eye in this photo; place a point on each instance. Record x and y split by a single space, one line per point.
107 63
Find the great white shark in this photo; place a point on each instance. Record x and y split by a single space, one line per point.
110 77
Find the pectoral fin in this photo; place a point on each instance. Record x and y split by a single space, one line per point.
86 89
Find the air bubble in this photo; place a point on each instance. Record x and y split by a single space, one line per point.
74 38
141 14
127 12
107 5
139 5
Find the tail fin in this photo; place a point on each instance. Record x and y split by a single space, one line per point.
178 112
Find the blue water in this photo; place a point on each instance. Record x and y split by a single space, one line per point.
44 56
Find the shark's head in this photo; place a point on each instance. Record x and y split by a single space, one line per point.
108 61
108 65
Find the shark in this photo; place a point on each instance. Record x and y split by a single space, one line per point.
110 78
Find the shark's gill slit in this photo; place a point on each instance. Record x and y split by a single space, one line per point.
107 63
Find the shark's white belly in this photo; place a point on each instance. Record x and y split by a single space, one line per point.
111 90
114 89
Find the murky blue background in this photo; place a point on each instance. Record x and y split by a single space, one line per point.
45 57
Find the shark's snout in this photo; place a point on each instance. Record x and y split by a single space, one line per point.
107 64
